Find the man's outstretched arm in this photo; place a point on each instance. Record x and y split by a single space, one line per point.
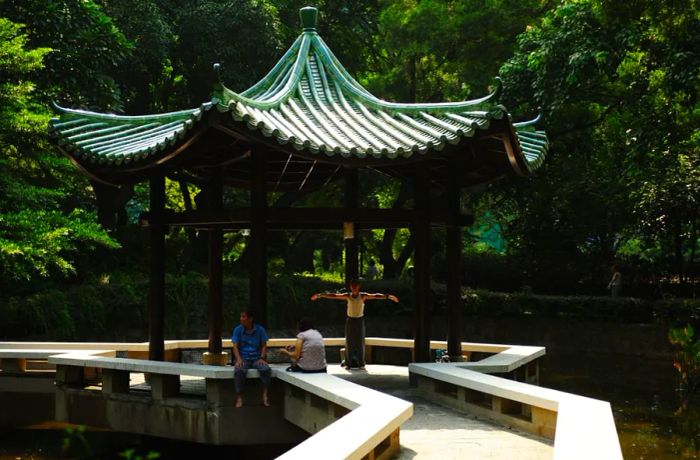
379 296
328 295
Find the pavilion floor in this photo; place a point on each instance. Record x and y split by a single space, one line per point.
434 431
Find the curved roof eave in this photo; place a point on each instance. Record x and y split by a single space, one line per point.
99 141
308 105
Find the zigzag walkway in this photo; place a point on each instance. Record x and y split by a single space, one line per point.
441 433
434 431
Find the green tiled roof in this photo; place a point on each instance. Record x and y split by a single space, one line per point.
533 143
105 139
308 101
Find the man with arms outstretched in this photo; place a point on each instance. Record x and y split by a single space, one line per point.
355 322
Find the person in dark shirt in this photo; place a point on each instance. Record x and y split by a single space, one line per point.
250 352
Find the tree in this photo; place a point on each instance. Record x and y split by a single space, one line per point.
86 50
244 37
620 105
43 224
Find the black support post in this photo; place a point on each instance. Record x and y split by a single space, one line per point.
454 271
352 201
258 239
156 287
421 270
216 243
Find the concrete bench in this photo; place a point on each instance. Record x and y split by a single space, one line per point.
370 425
73 346
142 366
582 428
15 359
164 376
347 420
505 361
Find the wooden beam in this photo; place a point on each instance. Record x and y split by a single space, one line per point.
156 287
421 268
329 218
258 240
453 249
352 201
216 243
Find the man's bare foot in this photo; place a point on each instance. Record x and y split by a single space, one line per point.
266 402
239 401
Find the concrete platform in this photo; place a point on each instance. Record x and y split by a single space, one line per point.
434 432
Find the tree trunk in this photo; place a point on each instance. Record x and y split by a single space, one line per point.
690 271
678 250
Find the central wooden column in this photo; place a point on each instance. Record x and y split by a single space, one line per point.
454 271
214 355
352 201
421 269
156 286
258 240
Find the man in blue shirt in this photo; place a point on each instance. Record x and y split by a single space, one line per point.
250 352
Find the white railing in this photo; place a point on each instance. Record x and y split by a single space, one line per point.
371 424
582 428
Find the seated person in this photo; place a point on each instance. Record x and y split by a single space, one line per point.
250 351
309 353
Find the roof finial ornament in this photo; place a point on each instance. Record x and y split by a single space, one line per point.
309 18
217 71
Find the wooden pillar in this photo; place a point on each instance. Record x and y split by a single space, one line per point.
352 201
156 287
421 270
258 240
216 243
453 257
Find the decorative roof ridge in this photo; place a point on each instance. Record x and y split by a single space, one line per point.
353 86
529 123
121 118
281 95
281 82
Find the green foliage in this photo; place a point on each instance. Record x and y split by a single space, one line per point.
87 49
687 361
131 454
146 80
244 37
617 81
43 224
430 50
113 306
621 107
76 437
624 309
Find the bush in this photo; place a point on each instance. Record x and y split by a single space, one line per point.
114 307
687 359
623 309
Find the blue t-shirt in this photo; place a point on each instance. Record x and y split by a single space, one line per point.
249 342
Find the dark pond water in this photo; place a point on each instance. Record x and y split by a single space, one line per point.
651 420
48 445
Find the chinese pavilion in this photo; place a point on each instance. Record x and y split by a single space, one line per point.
306 123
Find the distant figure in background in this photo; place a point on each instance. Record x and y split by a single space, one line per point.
615 283
372 271
355 322
309 353
250 352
